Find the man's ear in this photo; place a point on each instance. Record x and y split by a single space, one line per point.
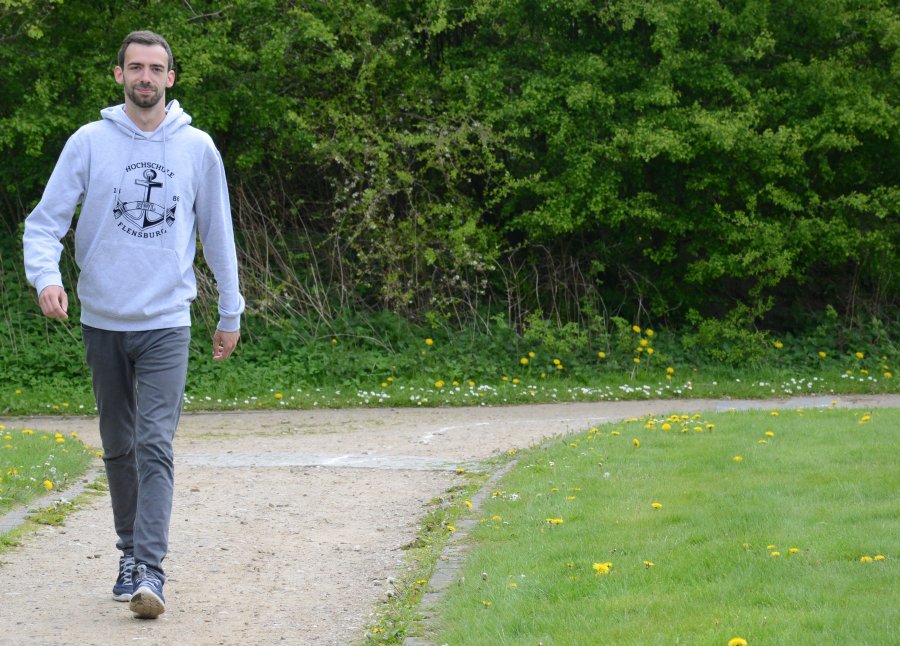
119 75
170 78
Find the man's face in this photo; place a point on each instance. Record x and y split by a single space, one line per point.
145 74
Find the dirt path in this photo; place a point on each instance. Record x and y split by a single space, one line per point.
287 524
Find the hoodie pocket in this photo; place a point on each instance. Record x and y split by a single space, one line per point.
131 282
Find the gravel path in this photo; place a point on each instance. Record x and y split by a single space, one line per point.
287 524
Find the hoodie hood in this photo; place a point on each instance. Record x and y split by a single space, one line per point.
176 118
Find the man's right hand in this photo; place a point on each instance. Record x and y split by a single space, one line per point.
54 302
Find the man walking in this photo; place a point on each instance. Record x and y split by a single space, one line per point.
147 182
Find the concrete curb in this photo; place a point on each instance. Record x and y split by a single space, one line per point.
452 558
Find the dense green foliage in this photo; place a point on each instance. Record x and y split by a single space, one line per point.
702 164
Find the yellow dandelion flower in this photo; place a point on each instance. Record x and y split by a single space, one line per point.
486 604
670 370
279 396
471 384
637 359
467 503
636 442
559 366
48 485
439 384
18 391
515 380
2 427
650 350
888 375
524 361
779 345
554 521
649 332
860 355
822 354
616 433
601 568
602 355
775 555
451 528
793 550
770 434
636 329
460 470
429 341
865 559
333 341
649 564
496 518
644 343
556 362
737 641
666 427
737 458
879 557
770 547
762 441
384 384
656 505
60 440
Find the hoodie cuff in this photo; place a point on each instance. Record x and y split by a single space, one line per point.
46 280
229 323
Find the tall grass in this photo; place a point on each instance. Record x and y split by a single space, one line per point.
697 534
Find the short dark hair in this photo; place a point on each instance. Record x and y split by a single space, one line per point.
145 38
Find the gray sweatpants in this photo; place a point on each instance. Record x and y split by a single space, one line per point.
138 380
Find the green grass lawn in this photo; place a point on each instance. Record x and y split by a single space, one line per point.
777 528
34 462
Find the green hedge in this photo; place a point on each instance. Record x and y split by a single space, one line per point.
676 160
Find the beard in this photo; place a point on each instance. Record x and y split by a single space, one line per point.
143 100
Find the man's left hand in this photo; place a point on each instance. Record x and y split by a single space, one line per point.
224 344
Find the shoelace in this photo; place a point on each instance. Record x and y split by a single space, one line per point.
126 566
143 574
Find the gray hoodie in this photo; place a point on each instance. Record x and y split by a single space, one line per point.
144 197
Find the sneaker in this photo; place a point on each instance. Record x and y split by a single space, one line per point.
147 600
123 587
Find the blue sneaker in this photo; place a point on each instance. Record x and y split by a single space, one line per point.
147 600
123 588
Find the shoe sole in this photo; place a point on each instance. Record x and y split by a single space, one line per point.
145 604
124 596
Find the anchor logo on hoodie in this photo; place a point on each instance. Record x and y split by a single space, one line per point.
143 217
